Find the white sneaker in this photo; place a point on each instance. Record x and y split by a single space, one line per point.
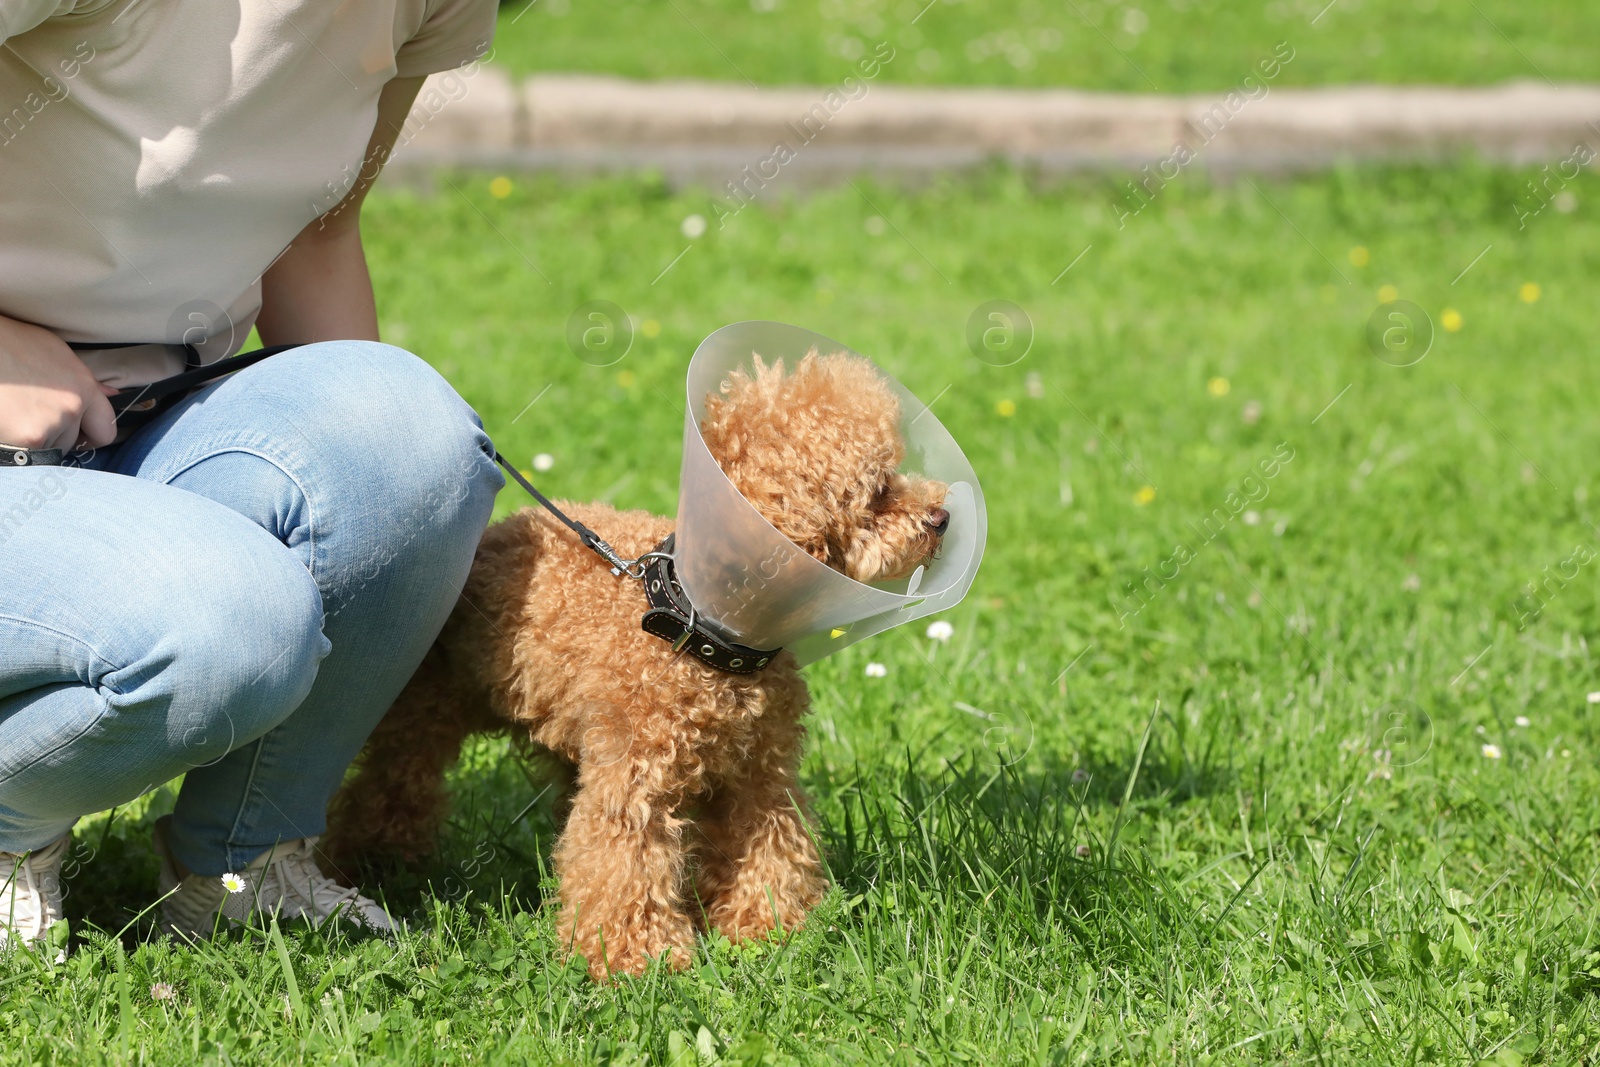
283 881
30 892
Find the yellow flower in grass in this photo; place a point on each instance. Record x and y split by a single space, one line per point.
1387 293
1529 293
1005 408
1218 386
1451 320
1359 256
1145 494
650 328
500 188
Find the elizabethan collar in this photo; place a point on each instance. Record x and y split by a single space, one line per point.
752 582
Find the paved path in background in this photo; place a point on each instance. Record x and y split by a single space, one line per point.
712 132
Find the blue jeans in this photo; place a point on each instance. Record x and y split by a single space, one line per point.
235 594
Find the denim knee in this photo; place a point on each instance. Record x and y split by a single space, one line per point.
400 417
237 654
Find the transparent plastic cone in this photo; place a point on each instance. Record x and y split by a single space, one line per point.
751 581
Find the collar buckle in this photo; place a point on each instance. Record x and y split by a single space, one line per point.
674 619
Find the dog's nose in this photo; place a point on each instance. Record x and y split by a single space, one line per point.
938 521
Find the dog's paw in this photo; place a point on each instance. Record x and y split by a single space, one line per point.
751 917
628 948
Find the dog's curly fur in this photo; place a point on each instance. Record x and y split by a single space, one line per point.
688 805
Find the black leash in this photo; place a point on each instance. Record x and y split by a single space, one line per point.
671 616
633 568
134 408
179 385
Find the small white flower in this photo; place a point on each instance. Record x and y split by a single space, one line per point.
1080 776
233 883
1594 698
1411 583
162 991
1491 751
543 461
1251 413
876 670
1522 720
694 227
1252 518
941 630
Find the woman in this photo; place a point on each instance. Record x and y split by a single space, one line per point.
236 591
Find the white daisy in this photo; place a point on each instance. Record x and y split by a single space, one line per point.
233 883
543 461
1491 751
693 227
941 630
876 670
1594 698
1522 720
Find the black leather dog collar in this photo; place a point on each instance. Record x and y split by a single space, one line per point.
15 456
672 618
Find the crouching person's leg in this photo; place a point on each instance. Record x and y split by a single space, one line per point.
146 632
365 464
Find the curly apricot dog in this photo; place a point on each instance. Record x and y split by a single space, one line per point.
688 806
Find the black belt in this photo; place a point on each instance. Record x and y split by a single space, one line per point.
16 456
673 618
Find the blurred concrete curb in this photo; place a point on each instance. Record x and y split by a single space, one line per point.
707 131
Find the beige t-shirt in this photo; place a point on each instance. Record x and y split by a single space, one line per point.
157 155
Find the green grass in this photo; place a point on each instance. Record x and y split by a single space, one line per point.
1145 46
1062 837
